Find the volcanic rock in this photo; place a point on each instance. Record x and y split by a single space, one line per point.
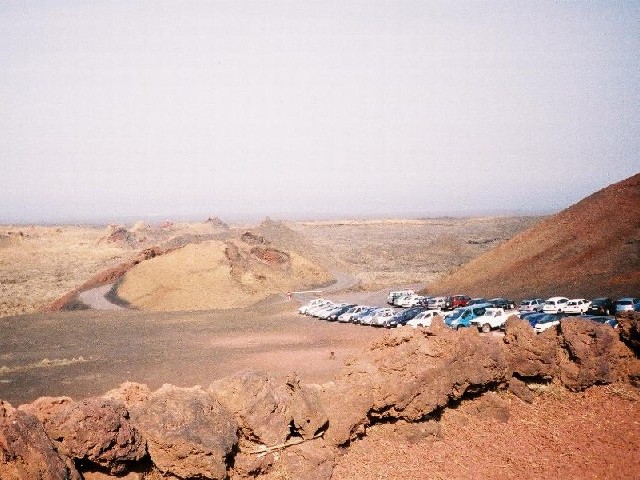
408 375
189 434
529 354
594 354
268 411
629 323
129 393
521 390
97 430
26 453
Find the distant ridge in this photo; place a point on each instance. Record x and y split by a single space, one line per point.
589 249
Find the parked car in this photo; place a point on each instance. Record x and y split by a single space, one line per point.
400 318
352 312
602 306
317 303
339 311
577 306
380 317
531 305
315 311
477 301
438 303
605 320
548 321
555 305
359 316
324 312
492 319
533 317
502 303
409 300
423 319
459 301
626 304
462 317
393 296
366 320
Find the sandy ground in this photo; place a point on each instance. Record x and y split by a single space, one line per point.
86 353
590 435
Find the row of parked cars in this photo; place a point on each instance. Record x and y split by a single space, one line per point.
485 315
598 306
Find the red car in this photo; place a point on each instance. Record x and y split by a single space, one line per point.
459 301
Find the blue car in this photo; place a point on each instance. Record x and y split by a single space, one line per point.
463 316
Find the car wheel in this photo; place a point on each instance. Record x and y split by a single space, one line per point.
457 327
486 328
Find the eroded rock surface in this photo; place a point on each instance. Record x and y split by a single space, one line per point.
629 323
26 452
95 429
189 434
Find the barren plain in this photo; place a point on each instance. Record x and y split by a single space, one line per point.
86 352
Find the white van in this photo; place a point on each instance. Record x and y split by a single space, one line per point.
555 305
393 296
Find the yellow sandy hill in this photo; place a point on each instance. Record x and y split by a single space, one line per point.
217 274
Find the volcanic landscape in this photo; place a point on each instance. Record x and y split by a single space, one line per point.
176 350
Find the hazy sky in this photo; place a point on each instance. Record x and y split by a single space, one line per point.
313 108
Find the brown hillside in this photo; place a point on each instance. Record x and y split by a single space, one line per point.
217 274
590 249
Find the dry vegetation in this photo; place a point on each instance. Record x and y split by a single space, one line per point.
40 264
382 253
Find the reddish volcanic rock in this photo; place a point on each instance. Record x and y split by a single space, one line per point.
26 453
97 430
189 434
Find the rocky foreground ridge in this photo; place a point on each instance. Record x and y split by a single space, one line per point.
252 425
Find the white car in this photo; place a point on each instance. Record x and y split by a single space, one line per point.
626 304
380 317
531 305
325 313
492 319
366 320
555 305
423 319
393 296
577 305
409 300
352 312
437 303
320 311
313 310
313 303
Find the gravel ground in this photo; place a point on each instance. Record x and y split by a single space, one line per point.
590 435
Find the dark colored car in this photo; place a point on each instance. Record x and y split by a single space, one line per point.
502 303
333 316
602 306
460 301
605 320
477 301
532 317
402 317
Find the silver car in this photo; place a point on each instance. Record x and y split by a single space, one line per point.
626 304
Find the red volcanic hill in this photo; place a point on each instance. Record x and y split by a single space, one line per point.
590 249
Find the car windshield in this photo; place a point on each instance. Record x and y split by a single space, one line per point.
526 302
624 302
456 315
549 302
